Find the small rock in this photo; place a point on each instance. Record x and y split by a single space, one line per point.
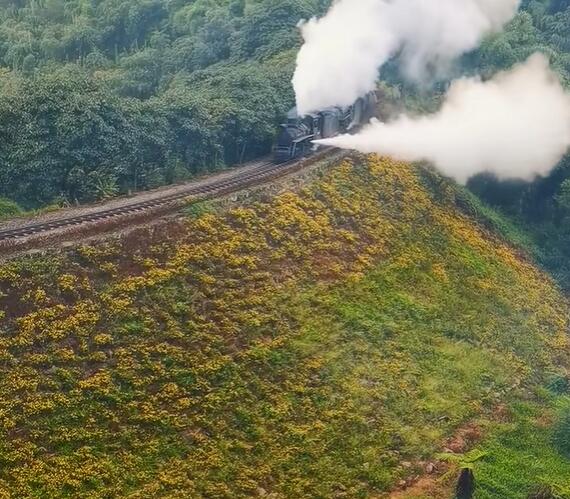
430 468
261 492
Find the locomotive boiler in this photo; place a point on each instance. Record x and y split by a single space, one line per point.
295 136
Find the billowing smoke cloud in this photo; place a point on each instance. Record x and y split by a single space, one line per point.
516 125
344 50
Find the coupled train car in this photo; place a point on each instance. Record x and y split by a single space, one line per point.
295 137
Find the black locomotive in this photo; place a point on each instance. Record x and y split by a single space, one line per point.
296 135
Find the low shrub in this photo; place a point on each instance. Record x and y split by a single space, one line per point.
562 433
9 208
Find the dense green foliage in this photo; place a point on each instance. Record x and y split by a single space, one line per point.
103 96
106 96
542 25
8 208
562 433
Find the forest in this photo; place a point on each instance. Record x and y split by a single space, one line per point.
104 97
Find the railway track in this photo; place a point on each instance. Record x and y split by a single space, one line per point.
258 172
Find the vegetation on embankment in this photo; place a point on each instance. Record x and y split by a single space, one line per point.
314 344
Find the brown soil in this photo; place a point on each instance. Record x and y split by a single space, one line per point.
437 479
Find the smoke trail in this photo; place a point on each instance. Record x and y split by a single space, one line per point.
516 125
342 53
344 50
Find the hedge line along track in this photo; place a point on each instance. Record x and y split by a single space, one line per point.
260 172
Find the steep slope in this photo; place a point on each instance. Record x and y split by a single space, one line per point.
321 343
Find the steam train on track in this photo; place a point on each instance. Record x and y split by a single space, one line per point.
295 137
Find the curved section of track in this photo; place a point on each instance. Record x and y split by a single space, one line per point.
258 173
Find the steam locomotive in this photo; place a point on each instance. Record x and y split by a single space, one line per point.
295 137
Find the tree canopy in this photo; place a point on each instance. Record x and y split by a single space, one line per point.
105 96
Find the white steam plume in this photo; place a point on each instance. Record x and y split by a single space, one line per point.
516 125
344 50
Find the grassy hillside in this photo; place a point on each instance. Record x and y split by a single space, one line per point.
324 343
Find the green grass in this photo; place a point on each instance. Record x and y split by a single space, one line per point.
9 208
497 222
522 456
197 209
410 370
445 191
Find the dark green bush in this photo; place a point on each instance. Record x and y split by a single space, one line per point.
562 433
9 208
559 384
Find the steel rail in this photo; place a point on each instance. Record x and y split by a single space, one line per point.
257 174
